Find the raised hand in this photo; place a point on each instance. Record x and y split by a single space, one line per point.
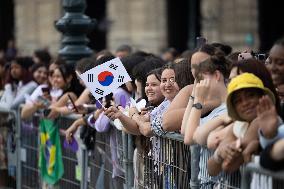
267 117
202 89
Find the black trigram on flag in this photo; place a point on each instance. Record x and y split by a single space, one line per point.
99 91
120 78
90 78
113 66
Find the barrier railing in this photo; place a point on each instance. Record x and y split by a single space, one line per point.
161 162
8 143
105 163
103 167
29 175
256 177
199 174
165 162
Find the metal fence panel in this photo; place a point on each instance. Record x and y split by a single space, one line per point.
8 153
166 162
30 176
105 162
200 156
254 176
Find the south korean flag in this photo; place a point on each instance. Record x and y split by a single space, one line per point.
105 78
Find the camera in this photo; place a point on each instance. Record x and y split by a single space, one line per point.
261 57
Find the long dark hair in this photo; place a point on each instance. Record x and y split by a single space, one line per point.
2 77
67 70
35 67
25 63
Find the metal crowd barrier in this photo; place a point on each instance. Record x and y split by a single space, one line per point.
29 175
8 143
256 177
159 162
87 170
199 174
165 162
105 163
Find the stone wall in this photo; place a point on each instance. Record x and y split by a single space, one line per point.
34 25
141 23
230 21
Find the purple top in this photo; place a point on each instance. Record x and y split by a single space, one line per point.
121 97
102 123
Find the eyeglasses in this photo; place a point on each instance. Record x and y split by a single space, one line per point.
171 80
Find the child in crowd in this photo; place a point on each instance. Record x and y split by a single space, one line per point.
244 94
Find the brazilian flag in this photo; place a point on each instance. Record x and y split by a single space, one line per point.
50 158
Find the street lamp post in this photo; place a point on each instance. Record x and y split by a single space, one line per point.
74 25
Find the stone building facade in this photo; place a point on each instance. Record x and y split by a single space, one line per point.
141 23
34 25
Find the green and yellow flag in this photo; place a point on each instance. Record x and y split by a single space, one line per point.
50 158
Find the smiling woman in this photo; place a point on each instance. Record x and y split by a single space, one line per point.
152 88
275 62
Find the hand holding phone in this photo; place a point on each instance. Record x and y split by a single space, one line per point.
44 101
45 90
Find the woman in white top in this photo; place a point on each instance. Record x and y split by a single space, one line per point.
18 83
46 94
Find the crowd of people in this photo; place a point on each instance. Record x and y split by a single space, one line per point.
230 103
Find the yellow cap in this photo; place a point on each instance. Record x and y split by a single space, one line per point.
245 80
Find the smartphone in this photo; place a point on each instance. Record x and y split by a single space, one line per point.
45 101
150 108
261 57
45 90
73 103
200 41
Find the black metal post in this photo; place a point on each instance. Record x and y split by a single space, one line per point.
193 22
74 25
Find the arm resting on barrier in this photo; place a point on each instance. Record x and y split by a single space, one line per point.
173 116
73 128
60 103
63 109
130 125
214 164
217 136
201 134
233 165
272 157
30 108
144 127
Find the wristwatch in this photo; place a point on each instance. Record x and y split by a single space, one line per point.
197 106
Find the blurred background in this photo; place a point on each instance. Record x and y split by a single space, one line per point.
150 25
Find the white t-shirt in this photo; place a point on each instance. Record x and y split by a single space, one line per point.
206 153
